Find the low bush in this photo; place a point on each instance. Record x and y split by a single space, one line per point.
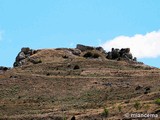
105 112
91 55
137 105
157 101
88 55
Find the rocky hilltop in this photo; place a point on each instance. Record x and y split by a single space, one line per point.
27 55
82 83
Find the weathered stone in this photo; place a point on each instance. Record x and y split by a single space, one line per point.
124 50
115 54
109 55
147 90
34 61
107 84
15 64
127 50
20 56
25 50
128 56
123 54
84 48
76 52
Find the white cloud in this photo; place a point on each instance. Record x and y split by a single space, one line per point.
142 46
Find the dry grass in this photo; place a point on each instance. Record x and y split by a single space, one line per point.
53 88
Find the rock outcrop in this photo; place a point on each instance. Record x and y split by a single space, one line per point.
25 52
114 54
121 54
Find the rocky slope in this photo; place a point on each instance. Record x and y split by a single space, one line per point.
86 82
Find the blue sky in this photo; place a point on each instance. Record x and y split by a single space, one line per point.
65 23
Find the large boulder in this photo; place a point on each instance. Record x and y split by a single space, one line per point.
124 50
115 54
127 56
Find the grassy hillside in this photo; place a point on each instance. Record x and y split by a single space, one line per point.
63 85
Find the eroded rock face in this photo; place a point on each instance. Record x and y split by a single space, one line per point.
25 52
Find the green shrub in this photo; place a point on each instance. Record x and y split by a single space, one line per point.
137 105
105 112
147 106
119 108
64 117
157 101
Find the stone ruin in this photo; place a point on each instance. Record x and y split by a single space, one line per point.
25 52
